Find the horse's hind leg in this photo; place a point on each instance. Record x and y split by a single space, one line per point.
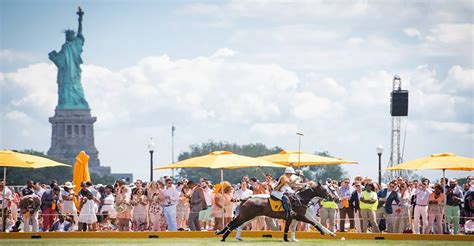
226 228
287 226
293 225
240 220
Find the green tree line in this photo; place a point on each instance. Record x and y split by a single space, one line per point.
252 150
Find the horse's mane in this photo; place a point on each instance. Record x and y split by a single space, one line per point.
307 194
304 191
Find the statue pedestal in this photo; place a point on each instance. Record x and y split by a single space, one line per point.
72 132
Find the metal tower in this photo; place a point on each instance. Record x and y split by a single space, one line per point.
399 109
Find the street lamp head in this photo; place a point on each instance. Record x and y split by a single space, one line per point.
379 149
299 134
151 145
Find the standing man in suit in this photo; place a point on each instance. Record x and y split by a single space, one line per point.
197 203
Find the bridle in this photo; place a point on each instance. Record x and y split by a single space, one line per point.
316 192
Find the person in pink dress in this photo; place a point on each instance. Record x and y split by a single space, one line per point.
140 210
157 220
182 209
123 207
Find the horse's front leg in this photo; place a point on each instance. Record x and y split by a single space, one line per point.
287 226
308 218
293 225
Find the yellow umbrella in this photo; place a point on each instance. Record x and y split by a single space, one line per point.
221 159
81 170
14 159
441 161
303 159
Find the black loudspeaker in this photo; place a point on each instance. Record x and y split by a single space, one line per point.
399 103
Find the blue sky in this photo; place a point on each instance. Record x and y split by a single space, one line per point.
245 71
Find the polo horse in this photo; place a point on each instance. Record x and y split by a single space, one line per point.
268 206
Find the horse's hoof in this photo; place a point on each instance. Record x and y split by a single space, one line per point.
286 239
295 240
332 234
239 239
223 240
216 233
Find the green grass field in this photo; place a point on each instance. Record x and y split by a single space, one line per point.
215 241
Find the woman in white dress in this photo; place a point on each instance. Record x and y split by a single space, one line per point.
68 206
108 204
88 212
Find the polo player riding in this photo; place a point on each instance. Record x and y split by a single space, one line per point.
282 189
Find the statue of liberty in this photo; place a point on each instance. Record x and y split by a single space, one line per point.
68 61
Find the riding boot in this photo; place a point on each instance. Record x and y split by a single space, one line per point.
291 213
287 210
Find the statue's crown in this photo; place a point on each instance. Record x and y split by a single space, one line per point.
69 31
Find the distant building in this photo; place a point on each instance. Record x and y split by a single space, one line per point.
128 177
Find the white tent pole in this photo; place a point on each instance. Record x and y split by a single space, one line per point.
3 198
444 184
222 198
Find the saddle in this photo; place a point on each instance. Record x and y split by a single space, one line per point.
276 205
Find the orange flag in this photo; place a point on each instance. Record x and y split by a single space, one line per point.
81 170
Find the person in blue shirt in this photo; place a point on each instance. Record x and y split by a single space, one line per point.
345 192
387 198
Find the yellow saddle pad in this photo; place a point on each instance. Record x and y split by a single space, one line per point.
276 205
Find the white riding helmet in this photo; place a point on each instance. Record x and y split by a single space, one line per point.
290 170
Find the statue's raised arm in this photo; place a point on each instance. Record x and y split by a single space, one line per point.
80 13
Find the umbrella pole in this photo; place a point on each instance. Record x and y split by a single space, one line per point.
444 183
4 218
222 193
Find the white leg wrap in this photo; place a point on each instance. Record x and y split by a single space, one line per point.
293 225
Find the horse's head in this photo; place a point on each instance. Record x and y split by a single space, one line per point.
326 192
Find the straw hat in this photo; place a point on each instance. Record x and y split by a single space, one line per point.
217 188
69 185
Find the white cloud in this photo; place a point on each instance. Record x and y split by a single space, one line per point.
278 10
224 52
412 32
18 117
452 33
22 120
460 80
324 86
7 55
465 129
274 129
204 88
36 85
307 106
371 90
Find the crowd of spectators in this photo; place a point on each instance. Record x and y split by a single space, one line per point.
400 206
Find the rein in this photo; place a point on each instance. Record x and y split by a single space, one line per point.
304 199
